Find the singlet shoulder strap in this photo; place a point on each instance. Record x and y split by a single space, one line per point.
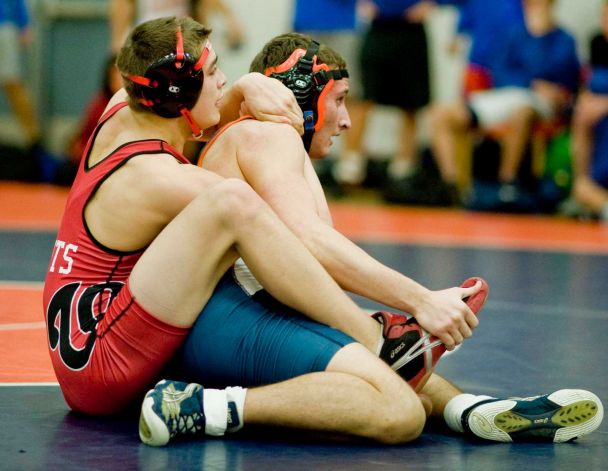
215 137
111 112
128 149
104 117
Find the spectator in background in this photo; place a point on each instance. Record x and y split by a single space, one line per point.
484 26
111 82
335 24
395 71
590 129
124 14
15 35
325 16
535 80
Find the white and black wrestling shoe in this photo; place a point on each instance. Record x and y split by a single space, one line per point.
561 416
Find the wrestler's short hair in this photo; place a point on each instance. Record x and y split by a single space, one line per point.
150 42
277 50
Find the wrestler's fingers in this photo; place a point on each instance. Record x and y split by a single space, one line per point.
471 290
458 337
471 319
466 331
296 119
290 119
448 341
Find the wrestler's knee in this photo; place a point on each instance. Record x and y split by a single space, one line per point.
235 202
399 423
398 415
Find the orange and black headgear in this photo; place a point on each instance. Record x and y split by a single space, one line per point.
170 87
309 82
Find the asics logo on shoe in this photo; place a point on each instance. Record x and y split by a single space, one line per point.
396 350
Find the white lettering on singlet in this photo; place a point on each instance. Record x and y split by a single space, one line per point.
66 261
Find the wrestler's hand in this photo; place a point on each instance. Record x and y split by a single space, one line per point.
267 99
444 314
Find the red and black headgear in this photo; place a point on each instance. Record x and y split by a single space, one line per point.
309 82
171 86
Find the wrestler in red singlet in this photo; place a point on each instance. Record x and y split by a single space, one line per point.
105 348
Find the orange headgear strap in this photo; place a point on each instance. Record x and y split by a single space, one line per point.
291 61
309 81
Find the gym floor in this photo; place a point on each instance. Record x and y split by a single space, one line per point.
543 328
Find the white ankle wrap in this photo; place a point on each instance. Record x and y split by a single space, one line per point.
457 405
215 407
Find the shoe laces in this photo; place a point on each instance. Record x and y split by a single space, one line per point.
420 347
177 421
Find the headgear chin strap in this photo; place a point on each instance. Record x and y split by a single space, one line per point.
171 85
309 82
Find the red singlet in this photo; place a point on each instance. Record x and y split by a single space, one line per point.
105 348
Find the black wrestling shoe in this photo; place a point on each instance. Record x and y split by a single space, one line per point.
409 349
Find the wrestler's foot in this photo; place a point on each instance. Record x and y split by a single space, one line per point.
171 408
558 417
409 349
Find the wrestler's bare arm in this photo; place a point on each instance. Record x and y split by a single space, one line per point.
272 160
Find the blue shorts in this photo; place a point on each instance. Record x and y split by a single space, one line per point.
252 340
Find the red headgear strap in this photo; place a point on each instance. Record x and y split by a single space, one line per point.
138 79
197 132
202 58
179 49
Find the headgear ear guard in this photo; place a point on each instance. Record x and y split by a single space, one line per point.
171 85
309 82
